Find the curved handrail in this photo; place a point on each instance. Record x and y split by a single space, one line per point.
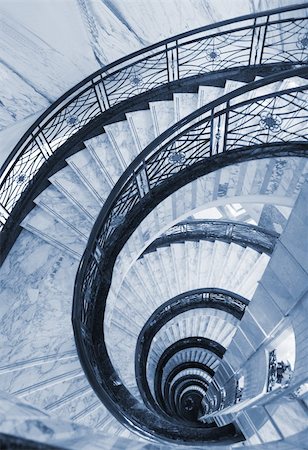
151 178
225 230
227 301
139 179
251 41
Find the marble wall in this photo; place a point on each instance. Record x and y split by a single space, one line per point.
21 420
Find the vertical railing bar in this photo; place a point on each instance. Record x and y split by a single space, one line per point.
212 132
45 139
39 144
136 183
105 91
167 62
263 41
146 174
257 45
252 40
177 58
97 98
218 134
226 127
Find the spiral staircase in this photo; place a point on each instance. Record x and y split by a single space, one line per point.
130 317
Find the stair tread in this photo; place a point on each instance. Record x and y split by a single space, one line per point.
87 169
68 182
142 128
184 104
122 141
54 202
53 231
106 158
162 116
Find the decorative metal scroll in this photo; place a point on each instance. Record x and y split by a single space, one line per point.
226 230
268 38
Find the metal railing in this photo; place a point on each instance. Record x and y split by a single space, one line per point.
246 234
196 299
227 131
267 38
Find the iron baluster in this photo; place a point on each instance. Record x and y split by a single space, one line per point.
252 41
212 133
98 96
104 93
43 144
177 59
172 61
263 40
4 214
226 122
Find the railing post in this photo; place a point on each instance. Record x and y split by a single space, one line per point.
99 97
43 144
142 182
102 94
4 214
258 41
172 58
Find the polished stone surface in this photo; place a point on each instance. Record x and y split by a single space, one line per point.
20 419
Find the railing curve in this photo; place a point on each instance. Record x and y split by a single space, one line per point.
227 301
265 38
227 131
246 234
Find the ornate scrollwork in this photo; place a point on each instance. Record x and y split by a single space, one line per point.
270 122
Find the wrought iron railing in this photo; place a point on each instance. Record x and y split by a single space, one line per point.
227 131
246 234
229 302
267 38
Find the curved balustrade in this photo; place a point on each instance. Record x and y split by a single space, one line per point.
246 234
263 39
224 132
199 298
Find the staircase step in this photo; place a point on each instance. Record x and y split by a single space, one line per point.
56 233
243 267
142 128
65 393
104 154
122 141
184 104
250 282
234 255
55 203
162 116
68 182
153 267
220 250
165 255
204 265
95 414
191 261
208 94
85 166
178 255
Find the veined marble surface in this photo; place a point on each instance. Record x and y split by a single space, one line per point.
36 336
22 420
